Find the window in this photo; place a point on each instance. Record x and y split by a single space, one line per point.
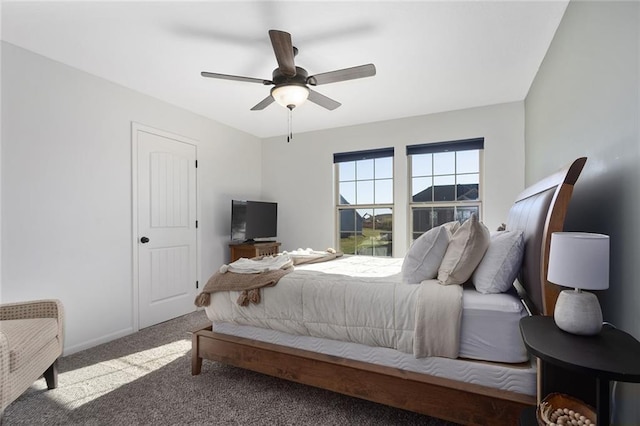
364 204
444 183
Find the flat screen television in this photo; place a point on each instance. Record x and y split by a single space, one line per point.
253 220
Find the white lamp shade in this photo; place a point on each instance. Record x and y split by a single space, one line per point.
579 260
290 95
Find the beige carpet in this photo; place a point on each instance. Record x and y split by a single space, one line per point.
145 379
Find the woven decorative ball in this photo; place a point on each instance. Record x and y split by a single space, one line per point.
558 409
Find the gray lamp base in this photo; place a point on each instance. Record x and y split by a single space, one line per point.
578 312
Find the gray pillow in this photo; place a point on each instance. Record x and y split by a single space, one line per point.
466 248
424 256
501 263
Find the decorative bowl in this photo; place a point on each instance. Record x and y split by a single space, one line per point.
557 408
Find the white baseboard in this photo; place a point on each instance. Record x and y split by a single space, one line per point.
98 341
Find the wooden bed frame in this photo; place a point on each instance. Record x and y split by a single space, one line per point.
539 211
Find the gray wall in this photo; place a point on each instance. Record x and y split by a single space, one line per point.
66 190
299 174
585 102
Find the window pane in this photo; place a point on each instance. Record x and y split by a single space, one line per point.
464 213
442 215
468 161
350 228
364 169
421 165
384 219
467 192
348 242
384 191
444 163
348 221
365 192
347 193
347 171
384 167
375 241
421 221
422 189
444 188
364 244
468 187
383 244
469 178
366 218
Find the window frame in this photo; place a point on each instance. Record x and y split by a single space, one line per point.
441 147
359 156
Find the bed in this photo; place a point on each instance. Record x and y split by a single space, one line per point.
470 389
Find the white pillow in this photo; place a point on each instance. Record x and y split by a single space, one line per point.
501 263
424 256
466 248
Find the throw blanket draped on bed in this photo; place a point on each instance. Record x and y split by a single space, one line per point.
301 257
438 319
250 275
258 265
359 299
248 284
247 276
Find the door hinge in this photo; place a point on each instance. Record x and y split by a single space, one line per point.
197 284
196 164
196 224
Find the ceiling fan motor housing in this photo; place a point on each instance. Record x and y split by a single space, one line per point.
279 79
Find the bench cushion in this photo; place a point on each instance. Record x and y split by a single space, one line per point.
26 337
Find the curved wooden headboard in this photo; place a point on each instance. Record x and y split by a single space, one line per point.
539 211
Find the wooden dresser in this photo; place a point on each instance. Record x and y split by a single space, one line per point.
250 250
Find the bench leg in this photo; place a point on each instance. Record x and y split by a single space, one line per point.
196 365
196 361
51 375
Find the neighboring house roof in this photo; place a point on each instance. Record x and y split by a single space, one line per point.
447 193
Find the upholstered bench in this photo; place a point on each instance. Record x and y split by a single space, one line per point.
31 339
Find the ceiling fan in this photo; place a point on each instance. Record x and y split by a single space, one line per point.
291 83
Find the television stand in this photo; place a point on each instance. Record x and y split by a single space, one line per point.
253 249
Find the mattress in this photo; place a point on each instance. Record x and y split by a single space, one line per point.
489 327
519 378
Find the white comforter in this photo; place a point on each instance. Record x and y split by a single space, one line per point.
359 299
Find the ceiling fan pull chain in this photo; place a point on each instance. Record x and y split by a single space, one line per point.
290 125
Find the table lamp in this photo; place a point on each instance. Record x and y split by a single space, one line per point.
579 260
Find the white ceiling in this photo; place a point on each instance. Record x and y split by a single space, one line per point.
430 56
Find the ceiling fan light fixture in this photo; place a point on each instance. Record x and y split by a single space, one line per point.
290 95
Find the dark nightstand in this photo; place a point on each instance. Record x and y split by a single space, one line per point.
610 355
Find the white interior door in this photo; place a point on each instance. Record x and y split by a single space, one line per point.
167 240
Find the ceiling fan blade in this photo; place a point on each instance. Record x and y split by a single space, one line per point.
235 77
263 103
352 73
283 48
323 100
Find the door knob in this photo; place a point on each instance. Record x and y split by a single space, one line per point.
144 240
